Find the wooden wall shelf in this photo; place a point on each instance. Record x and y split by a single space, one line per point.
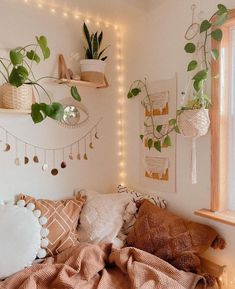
81 83
14 111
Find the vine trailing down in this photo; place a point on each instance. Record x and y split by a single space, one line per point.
17 71
156 136
208 28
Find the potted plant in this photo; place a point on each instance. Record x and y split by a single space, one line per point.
20 82
93 66
193 120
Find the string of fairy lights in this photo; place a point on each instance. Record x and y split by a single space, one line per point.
74 14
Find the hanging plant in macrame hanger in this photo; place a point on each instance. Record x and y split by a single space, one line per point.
156 136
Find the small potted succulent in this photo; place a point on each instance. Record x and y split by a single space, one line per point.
20 82
93 66
193 117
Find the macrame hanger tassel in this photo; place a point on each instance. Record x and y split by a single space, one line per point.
194 161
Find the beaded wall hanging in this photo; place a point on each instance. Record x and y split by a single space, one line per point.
78 150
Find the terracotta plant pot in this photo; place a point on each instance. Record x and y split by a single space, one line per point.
92 70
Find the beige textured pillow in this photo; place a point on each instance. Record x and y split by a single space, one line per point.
62 219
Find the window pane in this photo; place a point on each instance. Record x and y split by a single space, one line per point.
231 181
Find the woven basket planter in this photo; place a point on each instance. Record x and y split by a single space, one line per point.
20 98
194 123
92 70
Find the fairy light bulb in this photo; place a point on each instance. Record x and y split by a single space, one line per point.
65 14
39 5
53 11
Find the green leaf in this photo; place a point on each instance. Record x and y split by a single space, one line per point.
177 130
158 146
222 9
87 36
201 75
150 143
16 57
198 85
167 141
172 121
215 53
205 25
42 42
56 111
102 51
36 114
217 34
75 94
190 47
135 91
159 128
129 95
100 38
142 137
18 76
192 65
32 55
221 19
104 58
95 46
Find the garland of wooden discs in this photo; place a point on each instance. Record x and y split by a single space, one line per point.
75 151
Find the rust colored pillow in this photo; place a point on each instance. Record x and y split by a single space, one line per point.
62 219
171 237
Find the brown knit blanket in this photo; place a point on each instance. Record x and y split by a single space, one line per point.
99 267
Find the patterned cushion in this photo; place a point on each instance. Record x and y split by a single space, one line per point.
130 213
62 219
172 238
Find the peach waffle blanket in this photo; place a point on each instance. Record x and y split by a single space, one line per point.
99 267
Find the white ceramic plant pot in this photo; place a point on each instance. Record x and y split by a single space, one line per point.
20 98
92 70
194 122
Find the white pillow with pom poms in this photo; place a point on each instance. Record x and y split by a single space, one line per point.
22 237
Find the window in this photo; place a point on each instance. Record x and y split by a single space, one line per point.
223 128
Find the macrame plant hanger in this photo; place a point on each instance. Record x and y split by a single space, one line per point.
196 119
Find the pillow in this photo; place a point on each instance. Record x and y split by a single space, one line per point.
62 222
130 213
101 217
171 237
20 238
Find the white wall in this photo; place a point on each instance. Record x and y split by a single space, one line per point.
22 22
155 49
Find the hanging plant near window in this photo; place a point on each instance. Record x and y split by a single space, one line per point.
156 136
193 118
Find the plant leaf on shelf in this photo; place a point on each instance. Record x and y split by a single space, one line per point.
18 76
192 65
95 46
104 58
142 137
42 42
36 113
100 38
16 57
190 47
32 55
57 111
217 34
75 94
221 9
87 36
205 25
177 130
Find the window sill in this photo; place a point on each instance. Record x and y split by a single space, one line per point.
226 217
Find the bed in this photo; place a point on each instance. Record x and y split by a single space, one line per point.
97 262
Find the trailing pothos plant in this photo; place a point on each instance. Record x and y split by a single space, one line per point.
17 71
93 44
208 28
155 135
